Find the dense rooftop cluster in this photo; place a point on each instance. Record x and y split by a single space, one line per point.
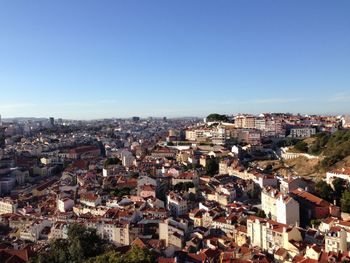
182 189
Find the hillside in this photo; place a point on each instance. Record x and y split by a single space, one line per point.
334 147
308 168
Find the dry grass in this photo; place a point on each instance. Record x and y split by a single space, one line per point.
345 163
303 167
296 167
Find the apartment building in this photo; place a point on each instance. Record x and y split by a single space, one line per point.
312 207
336 240
7 205
176 204
303 132
245 121
271 235
90 199
282 208
173 232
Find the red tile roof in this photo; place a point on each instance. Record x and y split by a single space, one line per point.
310 197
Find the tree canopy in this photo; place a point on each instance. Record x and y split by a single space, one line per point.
261 213
301 146
334 147
345 201
135 255
82 243
339 186
121 191
111 161
216 117
324 191
2 141
212 166
183 186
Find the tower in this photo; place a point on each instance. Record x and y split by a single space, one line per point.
52 121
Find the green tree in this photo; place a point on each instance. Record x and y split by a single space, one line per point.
268 168
135 255
315 222
111 161
217 117
254 193
58 250
339 186
301 146
261 213
324 191
183 186
82 243
318 145
109 257
212 166
192 197
2 141
337 145
345 202
287 142
121 192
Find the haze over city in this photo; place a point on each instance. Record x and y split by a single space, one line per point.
90 59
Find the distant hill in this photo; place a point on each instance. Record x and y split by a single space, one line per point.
21 119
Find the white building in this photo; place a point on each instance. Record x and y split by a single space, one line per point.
219 136
65 204
339 173
271 235
346 121
304 132
32 232
91 200
260 123
7 205
59 230
265 180
176 204
281 208
335 240
287 210
173 232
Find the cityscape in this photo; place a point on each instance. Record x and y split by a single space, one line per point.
188 131
254 188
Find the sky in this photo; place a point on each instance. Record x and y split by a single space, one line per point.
87 59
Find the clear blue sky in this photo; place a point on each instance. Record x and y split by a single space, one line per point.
92 59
